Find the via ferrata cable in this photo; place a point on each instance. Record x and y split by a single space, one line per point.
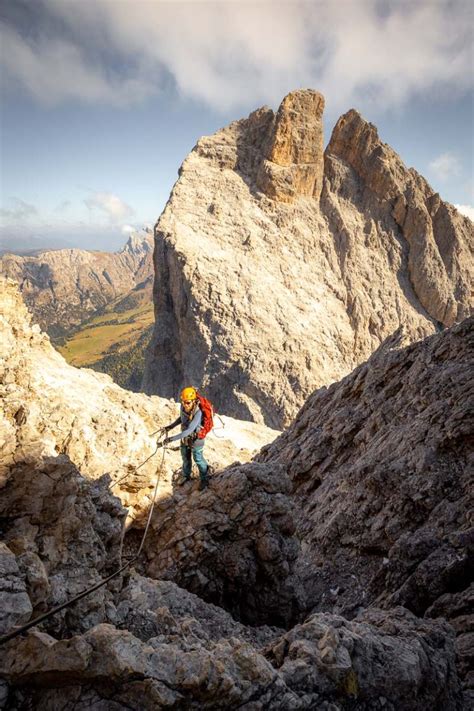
36 621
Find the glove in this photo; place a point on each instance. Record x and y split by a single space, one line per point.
162 444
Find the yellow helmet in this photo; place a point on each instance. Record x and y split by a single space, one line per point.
188 394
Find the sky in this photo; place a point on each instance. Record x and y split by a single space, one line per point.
101 100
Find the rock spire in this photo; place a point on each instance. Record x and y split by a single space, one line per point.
294 161
279 269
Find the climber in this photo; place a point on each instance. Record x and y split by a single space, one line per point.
195 418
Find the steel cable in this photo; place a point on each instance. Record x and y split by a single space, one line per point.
84 593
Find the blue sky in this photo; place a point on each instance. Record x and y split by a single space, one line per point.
102 100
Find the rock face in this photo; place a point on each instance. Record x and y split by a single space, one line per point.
294 162
233 546
15 608
182 662
373 494
439 241
63 534
276 275
382 468
64 287
51 408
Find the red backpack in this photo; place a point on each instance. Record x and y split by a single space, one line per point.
207 416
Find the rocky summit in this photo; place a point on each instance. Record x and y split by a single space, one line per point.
333 571
63 287
280 267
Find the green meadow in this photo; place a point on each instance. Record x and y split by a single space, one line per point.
108 333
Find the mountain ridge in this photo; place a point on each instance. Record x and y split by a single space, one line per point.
64 287
260 251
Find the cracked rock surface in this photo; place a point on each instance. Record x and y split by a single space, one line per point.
62 534
50 408
233 544
183 653
280 268
382 473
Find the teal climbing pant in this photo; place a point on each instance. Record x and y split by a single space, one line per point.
197 454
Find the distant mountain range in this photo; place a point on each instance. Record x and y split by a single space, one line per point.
62 288
96 306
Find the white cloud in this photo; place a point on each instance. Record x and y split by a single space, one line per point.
110 205
467 210
20 211
53 70
20 214
446 166
231 53
63 206
24 224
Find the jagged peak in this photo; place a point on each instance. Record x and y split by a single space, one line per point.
353 134
139 241
293 151
297 133
356 141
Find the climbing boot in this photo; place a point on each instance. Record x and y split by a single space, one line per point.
203 484
184 480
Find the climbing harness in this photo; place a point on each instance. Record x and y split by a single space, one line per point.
84 593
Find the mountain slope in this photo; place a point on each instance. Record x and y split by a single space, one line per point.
380 502
51 408
62 288
279 269
381 465
115 340
244 542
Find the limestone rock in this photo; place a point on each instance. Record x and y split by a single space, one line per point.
457 607
51 408
233 545
274 277
65 533
63 287
407 663
328 652
439 239
159 608
295 159
15 605
382 469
